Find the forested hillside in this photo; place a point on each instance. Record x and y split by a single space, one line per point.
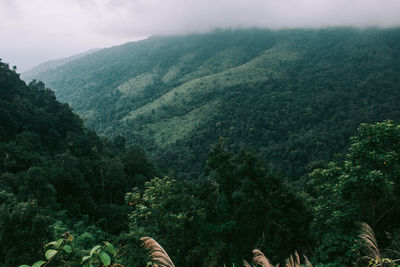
59 180
55 175
295 96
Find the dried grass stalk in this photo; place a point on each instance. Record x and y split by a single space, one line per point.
294 261
158 255
368 236
246 264
297 258
308 263
260 259
290 262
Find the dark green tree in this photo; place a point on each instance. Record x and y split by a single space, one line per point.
250 207
364 187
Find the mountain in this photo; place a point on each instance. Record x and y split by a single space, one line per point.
52 64
294 96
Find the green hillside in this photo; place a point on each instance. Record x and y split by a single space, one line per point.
294 96
52 64
58 179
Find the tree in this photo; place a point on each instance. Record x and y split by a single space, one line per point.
362 187
168 211
249 207
22 230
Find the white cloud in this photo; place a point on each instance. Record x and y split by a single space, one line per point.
35 30
177 16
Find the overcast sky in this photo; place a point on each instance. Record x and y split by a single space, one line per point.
33 31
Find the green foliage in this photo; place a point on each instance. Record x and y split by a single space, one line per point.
61 252
167 210
250 207
21 229
362 187
53 169
56 249
220 218
283 93
100 255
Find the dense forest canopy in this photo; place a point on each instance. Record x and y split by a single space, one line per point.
249 123
55 174
282 93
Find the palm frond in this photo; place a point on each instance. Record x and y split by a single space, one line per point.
157 253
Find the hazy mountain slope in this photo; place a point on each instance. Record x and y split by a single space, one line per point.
295 96
51 64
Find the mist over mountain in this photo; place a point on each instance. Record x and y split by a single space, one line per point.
51 64
36 31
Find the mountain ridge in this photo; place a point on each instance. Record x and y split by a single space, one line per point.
281 92
54 63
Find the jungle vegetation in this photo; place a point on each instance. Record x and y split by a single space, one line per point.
223 147
281 93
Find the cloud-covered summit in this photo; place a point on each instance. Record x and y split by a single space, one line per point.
36 30
177 16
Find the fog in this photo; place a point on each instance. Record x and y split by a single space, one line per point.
33 31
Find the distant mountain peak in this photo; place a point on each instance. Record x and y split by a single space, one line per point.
52 64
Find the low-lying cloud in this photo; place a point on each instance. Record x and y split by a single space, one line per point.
183 16
36 30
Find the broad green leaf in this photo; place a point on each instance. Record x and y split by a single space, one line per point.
85 258
38 263
105 258
50 253
95 250
67 248
24 265
110 248
59 242
53 243
88 264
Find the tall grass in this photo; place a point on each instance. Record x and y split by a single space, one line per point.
368 237
158 255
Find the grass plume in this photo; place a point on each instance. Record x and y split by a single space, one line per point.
308 263
260 259
293 261
367 235
158 255
246 264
